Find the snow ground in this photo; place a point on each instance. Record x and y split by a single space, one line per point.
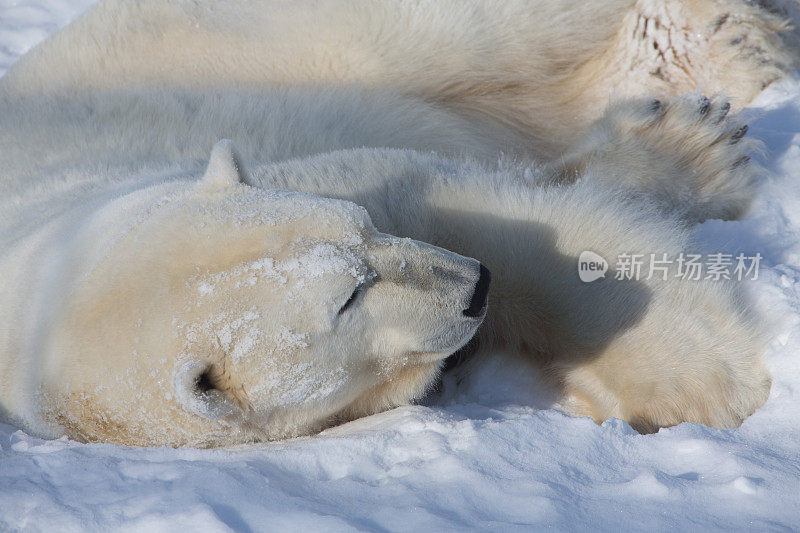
480 456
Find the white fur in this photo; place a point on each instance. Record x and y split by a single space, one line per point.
153 297
541 70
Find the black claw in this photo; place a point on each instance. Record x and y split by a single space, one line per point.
738 134
741 161
705 105
654 106
723 111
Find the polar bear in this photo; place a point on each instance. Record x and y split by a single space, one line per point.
251 314
157 296
529 75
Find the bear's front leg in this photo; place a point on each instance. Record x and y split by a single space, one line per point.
645 343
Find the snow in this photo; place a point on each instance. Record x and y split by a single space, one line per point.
25 23
481 454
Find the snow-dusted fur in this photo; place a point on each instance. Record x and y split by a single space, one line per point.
153 308
151 296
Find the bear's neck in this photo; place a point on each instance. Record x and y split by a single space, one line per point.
50 242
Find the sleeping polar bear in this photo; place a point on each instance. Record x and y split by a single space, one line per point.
153 295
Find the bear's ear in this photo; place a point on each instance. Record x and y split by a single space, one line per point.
224 168
202 389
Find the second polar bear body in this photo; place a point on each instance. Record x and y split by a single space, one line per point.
653 352
530 74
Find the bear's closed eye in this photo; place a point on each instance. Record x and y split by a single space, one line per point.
350 301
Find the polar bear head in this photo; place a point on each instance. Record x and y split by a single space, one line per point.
223 313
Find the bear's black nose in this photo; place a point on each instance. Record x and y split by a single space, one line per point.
478 301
